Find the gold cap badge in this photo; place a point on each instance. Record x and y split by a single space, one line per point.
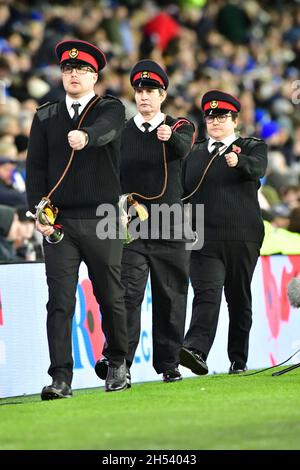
214 104
73 53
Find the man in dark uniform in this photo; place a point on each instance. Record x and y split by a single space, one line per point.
233 231
148 139
92 179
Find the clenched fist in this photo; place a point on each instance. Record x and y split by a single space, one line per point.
231 159
77 139
164 132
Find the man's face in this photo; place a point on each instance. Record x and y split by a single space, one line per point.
149 100
78 80
220 126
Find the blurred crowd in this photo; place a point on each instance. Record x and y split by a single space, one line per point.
248 48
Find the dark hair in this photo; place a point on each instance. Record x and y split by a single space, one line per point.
294 225
234 116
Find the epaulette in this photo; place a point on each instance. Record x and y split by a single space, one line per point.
111 97
46 104
182 118
200 141
47 110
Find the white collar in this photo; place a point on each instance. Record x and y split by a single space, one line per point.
83 101
155 121
227 141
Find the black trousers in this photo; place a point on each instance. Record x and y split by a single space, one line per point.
228 264
168 264
103 260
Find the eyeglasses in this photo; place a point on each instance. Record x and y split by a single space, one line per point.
219 117
81 69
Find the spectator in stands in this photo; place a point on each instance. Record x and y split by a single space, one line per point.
29 249
290 196
233 231
13 234
7 215
8 194
234 22
294 221
280 215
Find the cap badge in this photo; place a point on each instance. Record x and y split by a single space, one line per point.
214 104
145 75
73 53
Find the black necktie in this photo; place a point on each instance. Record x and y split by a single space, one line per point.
146 126
217 146
75 106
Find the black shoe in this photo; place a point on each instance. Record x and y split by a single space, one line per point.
193 361
172 375
116 380
101 369
237 368
56 390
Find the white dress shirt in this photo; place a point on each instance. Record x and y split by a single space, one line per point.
227 141
83 102
139 121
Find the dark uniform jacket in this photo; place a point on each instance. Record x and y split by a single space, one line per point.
93 177
142 163
229 195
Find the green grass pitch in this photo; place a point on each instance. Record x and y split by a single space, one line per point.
212 412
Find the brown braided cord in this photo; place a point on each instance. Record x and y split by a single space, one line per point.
202 177
150 198
92 103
